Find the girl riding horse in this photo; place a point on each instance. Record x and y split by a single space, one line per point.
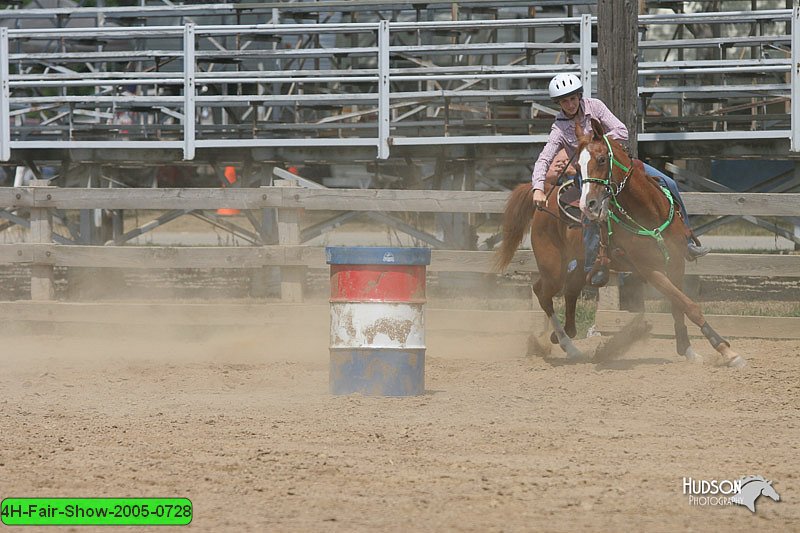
567 91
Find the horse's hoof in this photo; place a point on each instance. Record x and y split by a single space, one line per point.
554 338
692 356
737 362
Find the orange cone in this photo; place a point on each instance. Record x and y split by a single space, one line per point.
230 175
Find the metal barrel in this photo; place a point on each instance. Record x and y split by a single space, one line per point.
377 342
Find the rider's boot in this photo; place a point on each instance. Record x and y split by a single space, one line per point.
694 249
598 276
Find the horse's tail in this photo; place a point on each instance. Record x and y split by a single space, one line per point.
516 221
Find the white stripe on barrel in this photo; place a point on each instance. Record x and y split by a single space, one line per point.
377 325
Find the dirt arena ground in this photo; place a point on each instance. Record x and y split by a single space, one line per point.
498 443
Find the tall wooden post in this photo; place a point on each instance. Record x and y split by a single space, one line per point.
42 287
617 86
261 277
617 61
292 278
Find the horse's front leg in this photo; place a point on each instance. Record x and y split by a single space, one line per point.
682 344
687 306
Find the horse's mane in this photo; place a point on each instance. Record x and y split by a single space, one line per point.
749 479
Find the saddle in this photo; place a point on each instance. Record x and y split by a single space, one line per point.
569 196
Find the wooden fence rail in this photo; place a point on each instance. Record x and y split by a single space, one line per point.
145 257
294 258
425 201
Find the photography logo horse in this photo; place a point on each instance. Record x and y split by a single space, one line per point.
751 488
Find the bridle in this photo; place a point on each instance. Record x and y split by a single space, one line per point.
613 191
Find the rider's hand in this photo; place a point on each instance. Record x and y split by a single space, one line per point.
539 198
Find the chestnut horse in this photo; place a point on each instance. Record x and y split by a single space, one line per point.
639 225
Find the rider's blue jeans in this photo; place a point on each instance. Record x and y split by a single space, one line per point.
591 230
670 184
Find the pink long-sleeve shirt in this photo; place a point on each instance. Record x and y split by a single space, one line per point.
562 135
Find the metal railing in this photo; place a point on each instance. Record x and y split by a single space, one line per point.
365 84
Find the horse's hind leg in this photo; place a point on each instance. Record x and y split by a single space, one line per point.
661 282
571 293
539 341
544 292
572 290
572 278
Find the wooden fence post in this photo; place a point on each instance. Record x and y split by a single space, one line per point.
618 60
262 278
608 296
42 287
292 277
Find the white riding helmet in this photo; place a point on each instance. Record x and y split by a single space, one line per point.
564 84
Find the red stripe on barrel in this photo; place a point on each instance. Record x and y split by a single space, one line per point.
378 283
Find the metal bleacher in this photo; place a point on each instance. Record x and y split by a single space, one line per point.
373 80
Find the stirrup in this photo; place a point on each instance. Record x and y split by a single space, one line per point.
694 252
598 278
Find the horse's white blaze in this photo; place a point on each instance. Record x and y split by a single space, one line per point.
583 163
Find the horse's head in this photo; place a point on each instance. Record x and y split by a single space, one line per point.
599 171
769 491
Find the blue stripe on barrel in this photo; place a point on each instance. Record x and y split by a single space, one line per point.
377 331
377 371
376 255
